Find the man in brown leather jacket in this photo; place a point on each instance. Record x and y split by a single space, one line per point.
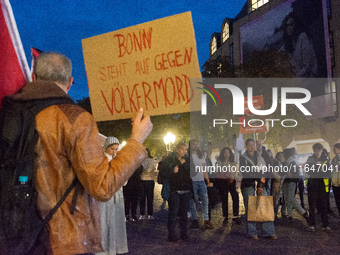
69 148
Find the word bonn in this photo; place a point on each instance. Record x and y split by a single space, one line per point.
238 100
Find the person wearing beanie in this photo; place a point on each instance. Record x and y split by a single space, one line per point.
111 143
112 213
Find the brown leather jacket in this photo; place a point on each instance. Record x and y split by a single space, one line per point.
69 147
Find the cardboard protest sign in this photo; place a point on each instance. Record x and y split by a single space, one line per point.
251 123
148 65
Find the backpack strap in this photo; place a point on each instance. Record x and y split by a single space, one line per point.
34 107
62 199
77 186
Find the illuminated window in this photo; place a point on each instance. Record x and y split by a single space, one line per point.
213 45
257 4
219 68
328 91
225 32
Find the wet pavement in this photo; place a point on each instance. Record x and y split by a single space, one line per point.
150 237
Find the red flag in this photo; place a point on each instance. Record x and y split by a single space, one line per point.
35 53
14 70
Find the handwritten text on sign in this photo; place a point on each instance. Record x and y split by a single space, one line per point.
148 65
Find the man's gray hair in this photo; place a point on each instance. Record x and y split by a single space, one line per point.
53 66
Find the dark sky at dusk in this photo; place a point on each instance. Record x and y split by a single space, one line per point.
60 25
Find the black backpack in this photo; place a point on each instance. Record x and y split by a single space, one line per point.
22 231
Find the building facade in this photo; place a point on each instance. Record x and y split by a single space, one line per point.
266 24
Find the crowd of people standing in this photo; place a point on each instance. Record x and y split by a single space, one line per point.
188 190
184 188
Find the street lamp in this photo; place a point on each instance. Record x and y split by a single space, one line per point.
168 140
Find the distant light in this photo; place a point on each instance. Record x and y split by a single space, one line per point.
123 143
168 140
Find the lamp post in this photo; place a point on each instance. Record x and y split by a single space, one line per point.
168 140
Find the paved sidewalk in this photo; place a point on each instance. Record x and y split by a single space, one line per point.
150 237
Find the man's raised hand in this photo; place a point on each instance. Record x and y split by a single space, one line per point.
141 126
